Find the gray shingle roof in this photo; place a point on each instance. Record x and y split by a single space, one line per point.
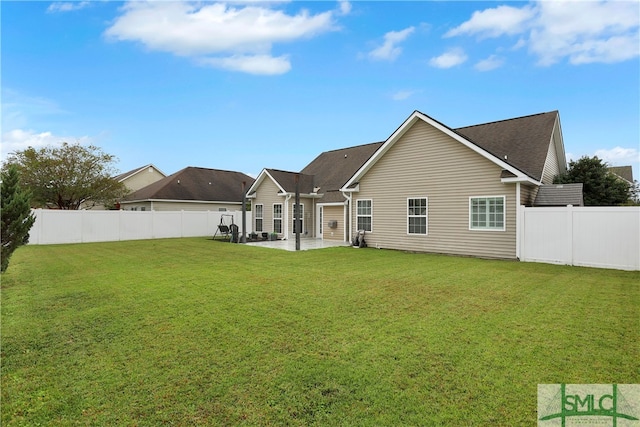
125 175
559 195
332 169
193 183
328 172
287 180
522 142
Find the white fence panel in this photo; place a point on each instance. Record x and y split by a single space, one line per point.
546 235
605 237
53 228
135 225
193 223
167 224
56 226
100 226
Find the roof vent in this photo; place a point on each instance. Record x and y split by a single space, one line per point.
345 156
178 181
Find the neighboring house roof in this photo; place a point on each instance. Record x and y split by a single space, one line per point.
518 145
559 195
129 174
193 183
624 172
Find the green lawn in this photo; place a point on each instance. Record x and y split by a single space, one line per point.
194 332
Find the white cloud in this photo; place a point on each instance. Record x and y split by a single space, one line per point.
252 64
18 108
586 32
494 22
490 63
345 7
67 6
389 50
19 139
450 58
233 37
582 32
401 95
619 156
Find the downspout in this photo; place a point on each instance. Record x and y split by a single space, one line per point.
518 225
347 227
285 226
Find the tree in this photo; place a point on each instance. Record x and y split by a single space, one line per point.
600 186
15 214
69 176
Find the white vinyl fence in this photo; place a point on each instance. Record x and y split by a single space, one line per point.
604 237
61 226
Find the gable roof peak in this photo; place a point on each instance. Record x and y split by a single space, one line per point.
519 145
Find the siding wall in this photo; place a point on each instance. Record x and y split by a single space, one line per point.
333 213
428 163
267 195
551 165
528 194
143 178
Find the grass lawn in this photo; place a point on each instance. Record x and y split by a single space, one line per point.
194 332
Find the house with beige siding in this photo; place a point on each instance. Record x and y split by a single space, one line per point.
427 188
140 177
135 179
192 189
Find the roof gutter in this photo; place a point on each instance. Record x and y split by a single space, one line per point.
520 179
179 201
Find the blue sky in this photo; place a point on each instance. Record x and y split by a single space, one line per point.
247 85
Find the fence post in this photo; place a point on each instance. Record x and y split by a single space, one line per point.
569 254
519 231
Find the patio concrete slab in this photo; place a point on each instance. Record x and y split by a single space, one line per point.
305 244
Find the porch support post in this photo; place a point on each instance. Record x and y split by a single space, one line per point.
518 220
243 237
296 213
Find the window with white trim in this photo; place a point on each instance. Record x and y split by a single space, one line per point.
259 216
300 220
417 215
277 217
487 213
364 214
